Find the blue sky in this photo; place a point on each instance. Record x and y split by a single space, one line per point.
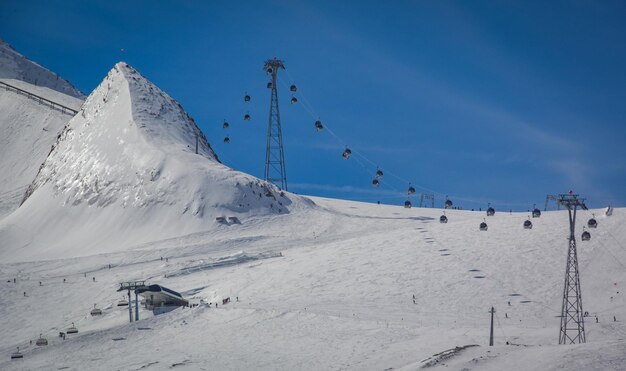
485 101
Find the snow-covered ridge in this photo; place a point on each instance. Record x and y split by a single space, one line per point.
14 66
127 162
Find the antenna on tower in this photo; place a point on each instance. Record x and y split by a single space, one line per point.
572 318
275 155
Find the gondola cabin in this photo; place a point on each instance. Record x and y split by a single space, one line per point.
375 183
443 219
528 224
346 153
483 226
586 236
407 204
592 223
536 213
318 125
491 211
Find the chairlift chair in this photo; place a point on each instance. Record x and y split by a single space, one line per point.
72 330
96 311
17 354
318 125
346 153
42 341
122 303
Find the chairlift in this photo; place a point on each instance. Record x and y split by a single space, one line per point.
379 173
443 218
528 224
407 204
42 341
72 330
124 302
294 100
375 183
96 311
226 140
246 98
586 236
483 226
592 223
246 117
346 153
269 85
410 190
536 213
17 354
491 211
293 88
318 125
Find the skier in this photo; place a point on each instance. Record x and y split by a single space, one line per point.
24 293
506 315
64 280
614 319
596 319
40 283
94 279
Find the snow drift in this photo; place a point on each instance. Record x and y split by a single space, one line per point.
125 171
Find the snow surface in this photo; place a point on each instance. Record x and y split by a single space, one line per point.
330 287
124 171
27 129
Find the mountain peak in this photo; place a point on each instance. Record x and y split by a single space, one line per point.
14 65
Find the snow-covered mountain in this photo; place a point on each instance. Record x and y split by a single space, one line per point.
124 171
27 128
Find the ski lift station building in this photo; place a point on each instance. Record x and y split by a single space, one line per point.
160 299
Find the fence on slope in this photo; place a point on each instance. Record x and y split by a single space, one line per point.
41 100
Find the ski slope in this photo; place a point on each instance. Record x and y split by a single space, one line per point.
330 287
27 129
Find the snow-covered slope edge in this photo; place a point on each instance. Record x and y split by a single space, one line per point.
124 171
27 128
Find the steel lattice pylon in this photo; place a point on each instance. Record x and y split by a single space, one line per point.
275 155
572 316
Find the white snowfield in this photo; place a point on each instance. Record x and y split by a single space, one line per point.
314 284
27 128
330 287
124 171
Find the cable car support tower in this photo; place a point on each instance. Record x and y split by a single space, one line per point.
572 319
275 155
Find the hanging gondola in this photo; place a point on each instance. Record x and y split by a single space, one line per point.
17 354
96 311
375 183
586 236
42 341
379 174
294 100
246 117
246 98
269 85
225 125
318 125
346 153
293 88
72 330
407 204
491 211
528 224
410 190
448 204
592 223
483 226
443 218
536 213
226 140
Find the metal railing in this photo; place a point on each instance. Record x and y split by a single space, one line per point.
41 100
